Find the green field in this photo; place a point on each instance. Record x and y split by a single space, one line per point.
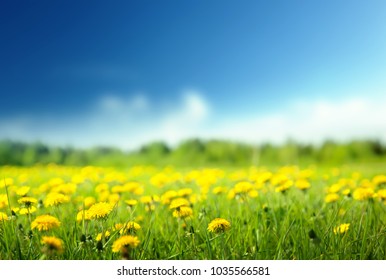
146 213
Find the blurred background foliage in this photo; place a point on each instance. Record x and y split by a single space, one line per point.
196 152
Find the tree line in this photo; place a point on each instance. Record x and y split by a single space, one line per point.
196 152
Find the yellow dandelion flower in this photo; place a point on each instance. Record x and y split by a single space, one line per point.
6 182
363 193
125 241
168 196
331 197
54 199
382 194
3 201
102 188
53 244
366 183
100 210
194 198
131 202
253 193
263 178
278 179
219 190
185 192
99 236
113 198
89 201
131 227
334 188
284 186
138 191
68 188
343 228
379 180
83 215
3 216
43 188
306 173
134 187
139 219
23 178
219 225
147 199
231 194
178 202
243 187
149 207
103 196
45 222
22 191
183 212
118 226
302 184
118 189
27 201
77 179
346 192
56 182
27 211
159 180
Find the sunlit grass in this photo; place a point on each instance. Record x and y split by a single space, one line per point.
57 212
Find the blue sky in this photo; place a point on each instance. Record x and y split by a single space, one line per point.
124 73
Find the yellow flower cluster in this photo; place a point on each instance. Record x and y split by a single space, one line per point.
53 244
54 199
3 216
100 210
124 242
111 205
45 222
219 225
343 228
130 227
183 212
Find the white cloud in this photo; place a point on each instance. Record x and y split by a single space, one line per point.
312 122
116 120
131 122
139 103
196 108
185 120
113 103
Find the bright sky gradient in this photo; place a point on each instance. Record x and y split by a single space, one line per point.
124 73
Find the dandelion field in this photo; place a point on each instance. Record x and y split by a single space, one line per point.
144 212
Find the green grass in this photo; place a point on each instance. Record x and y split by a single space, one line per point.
295 224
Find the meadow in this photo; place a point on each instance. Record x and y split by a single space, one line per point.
149 213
